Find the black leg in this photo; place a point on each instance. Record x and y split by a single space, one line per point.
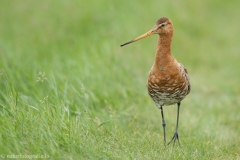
164 125
175 136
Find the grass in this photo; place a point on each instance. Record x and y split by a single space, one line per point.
69 91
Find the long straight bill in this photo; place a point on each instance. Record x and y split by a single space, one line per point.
140 37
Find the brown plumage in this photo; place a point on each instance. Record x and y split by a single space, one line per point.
168 81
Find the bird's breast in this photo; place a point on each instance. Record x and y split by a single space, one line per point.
168 85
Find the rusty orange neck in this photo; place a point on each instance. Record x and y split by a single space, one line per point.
163 53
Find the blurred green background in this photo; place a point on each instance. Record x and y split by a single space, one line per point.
68 90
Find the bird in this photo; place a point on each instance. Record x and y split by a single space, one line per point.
168 81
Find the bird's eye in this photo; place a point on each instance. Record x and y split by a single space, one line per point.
162 25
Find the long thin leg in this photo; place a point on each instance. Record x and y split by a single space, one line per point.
175 136
164 126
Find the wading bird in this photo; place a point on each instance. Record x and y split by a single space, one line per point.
168 81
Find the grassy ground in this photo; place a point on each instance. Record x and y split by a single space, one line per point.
69 91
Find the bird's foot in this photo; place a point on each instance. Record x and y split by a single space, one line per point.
174 138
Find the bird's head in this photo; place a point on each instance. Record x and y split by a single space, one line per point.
163 27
